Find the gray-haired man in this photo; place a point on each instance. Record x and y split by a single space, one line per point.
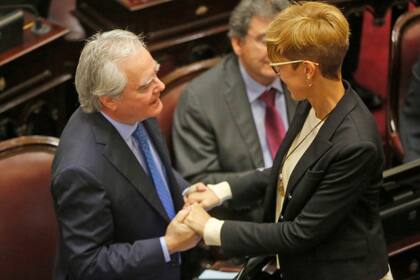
115 193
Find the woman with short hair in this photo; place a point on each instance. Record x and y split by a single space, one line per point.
321 207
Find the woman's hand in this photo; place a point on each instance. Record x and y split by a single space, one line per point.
197 218
202 195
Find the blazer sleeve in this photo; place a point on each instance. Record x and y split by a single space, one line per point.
342 185
195 144
249 187
86 225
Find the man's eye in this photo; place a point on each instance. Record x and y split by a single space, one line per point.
144 87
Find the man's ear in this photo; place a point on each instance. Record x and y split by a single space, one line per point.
108 103
236 43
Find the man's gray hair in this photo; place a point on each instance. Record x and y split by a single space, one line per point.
97 73
246 9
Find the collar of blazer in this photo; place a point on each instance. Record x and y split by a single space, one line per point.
237 101
320 145
240 110
119 154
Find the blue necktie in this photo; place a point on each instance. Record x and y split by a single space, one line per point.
163 192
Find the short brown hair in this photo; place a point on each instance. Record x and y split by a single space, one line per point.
310 31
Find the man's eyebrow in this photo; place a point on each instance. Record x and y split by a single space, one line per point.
150 79
155 70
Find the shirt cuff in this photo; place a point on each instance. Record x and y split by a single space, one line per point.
185 191
222 191
212 231
165 249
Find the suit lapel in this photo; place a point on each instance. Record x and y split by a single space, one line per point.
122 158
322 142
311 155
302 110
240 110
320 145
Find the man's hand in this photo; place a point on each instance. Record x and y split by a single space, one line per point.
201 195
179 237
197 219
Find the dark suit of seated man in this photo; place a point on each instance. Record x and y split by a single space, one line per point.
220 124
410 117
115 194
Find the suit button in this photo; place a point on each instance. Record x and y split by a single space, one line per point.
281 218
289 196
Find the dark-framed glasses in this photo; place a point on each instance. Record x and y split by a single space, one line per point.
276 65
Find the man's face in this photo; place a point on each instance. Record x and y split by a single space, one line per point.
252 51
140 98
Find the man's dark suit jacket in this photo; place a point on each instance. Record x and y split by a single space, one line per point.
410 117
329 226
109 214
214 133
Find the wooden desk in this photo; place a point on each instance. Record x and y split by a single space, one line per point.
379 8
400 208
135 5
178 32
31 82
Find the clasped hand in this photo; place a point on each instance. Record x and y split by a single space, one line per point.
199 198
186 229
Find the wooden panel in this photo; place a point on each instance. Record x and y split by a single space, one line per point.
400 214
163 19
177 32
32 79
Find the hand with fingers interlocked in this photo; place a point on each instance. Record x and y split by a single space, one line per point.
179 237
202 195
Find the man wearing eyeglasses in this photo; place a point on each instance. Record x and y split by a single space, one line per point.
231 119
115 194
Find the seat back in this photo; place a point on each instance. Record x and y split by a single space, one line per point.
28 227
176 82
399 204
404 49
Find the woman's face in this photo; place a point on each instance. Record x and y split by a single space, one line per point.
293 76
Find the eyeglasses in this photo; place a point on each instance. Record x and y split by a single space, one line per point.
276 65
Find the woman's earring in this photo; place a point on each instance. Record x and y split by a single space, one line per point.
309 81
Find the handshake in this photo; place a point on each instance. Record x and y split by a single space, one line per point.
186 229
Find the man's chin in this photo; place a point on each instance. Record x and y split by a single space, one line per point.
269 74
158 108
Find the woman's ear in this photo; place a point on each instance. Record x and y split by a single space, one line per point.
309 69
309 72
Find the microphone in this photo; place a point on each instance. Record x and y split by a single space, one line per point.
39 28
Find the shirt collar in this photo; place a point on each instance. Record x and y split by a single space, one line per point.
255 89
125 130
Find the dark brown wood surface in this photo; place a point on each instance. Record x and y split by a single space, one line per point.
32 41
32 79
177 32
